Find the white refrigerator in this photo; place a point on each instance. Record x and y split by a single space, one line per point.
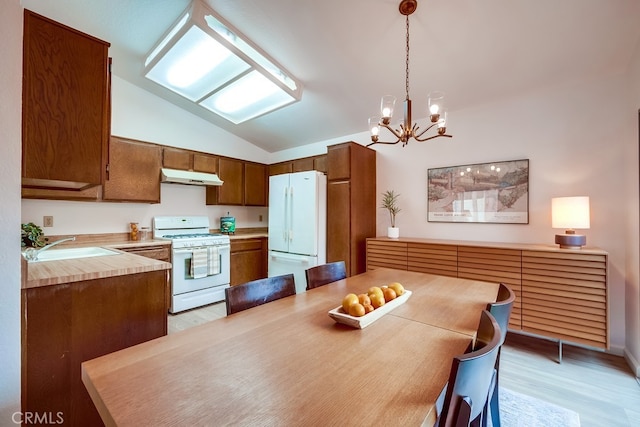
297 224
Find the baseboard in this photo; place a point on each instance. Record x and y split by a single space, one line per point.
633 363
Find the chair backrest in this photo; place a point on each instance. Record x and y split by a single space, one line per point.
257 292
325 273
471 376
501 309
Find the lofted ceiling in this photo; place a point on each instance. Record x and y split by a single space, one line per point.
348 53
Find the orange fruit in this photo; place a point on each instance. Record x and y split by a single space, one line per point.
389 294
349 300
364 299
368 308
377 300
374 290
356 310
397 287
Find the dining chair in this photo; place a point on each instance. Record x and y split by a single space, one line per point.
325 273
501 310
470 378
258 292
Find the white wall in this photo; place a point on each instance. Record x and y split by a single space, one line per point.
10 148
632 308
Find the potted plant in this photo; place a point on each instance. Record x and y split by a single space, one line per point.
32 236
390 203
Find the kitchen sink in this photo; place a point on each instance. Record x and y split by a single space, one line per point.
72 253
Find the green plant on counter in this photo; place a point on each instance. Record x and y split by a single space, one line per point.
32 236
390 203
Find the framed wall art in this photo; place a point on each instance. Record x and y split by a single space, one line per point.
496 192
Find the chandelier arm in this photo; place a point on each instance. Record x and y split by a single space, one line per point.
395 133
383 142
433 137
422 133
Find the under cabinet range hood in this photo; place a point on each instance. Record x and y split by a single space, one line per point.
190 177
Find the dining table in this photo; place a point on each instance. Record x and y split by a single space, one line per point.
288 363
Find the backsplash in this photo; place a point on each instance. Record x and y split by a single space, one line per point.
71 217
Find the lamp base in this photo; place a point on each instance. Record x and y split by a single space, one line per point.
571 241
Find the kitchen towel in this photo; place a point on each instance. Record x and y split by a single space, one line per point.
213 260
199 263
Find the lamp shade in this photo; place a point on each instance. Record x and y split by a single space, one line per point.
570 212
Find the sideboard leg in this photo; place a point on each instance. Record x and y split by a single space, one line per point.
559 351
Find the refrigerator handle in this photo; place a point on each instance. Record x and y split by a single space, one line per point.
290 212
293 258
285 229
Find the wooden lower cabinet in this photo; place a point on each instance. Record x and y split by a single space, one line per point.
565 296
65 325
560 293
387 253
248 260
498 265
159 252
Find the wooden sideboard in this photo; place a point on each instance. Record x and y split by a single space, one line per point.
561 293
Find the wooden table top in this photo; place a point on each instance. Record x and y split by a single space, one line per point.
287 363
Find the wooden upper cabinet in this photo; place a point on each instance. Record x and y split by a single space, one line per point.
320 163
231 171
134 171
205 163
255 184
176 158
280 168
302 165
339 159
65 109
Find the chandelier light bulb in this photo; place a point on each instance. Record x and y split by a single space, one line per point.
387 104
374 126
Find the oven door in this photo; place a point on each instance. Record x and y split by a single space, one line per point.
181 279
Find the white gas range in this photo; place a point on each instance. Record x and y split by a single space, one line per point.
201 260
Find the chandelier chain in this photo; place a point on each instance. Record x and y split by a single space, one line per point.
407 60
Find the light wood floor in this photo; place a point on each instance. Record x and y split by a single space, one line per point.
600 387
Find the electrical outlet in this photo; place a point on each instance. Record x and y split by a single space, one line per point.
260 218
47 221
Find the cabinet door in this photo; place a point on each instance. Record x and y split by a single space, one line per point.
280 168
339 157
564 296
231 171
175 158
134 171
303 165
65 124
248 260
205 163
339 223
320 163
255 184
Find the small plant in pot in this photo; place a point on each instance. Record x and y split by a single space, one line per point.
32 236
390 203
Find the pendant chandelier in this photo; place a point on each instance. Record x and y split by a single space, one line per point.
408 130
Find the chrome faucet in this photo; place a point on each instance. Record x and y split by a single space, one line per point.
31 254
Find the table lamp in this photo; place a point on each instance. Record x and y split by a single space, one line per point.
570 213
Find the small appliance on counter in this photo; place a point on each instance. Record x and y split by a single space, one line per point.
228 224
